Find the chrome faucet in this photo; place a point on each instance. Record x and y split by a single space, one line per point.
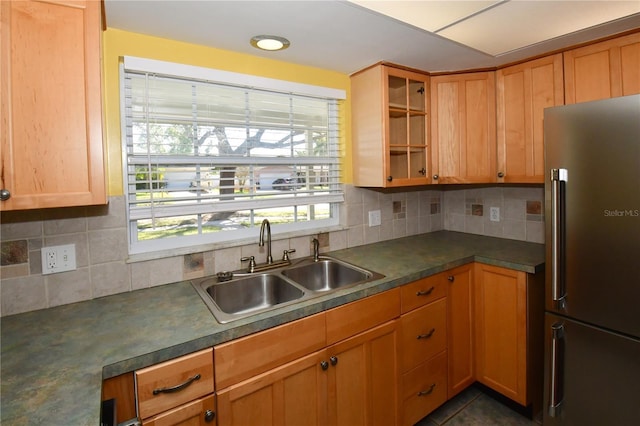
316 250
267 225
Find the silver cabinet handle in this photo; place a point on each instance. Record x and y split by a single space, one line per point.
556 391
558 176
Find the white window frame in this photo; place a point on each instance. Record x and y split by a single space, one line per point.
205 241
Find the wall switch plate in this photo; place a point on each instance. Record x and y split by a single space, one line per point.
494 214
58 259
375 218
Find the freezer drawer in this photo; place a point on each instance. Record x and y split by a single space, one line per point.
593 375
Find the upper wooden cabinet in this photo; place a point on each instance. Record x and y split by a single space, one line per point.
523 92
390 127
52 152
603 70
463 128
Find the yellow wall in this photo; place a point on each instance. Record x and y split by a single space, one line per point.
117 43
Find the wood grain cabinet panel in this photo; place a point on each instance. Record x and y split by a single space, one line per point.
51 110
292 394
463 128
603 70
175 382
501 330
424 389
363 378
424 333
523 92
460 321
200 412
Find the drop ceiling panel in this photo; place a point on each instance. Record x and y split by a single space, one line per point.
516 24
428 15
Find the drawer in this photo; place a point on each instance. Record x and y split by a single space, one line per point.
200 412
423 333
190 375
353 318
422 292
424 389
251 355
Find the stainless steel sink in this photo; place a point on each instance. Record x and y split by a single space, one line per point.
327 274
251 293
238 298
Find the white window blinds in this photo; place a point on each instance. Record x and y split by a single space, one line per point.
203 156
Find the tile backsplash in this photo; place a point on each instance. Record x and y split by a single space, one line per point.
103 266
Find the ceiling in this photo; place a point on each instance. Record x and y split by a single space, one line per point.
346 36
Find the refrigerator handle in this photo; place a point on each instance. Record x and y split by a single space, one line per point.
556 393
558 176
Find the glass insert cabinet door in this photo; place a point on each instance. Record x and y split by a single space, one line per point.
407 129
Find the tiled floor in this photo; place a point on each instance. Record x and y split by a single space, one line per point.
476 408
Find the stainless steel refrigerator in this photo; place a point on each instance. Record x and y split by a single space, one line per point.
592 215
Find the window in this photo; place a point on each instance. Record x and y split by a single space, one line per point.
209 154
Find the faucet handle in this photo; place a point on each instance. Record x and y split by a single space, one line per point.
316 249
252 262
285 254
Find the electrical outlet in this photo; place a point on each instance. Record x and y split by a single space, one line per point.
494 214
375 218
58 259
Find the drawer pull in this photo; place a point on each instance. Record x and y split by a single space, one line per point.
425 292
428 335
177 387
427 392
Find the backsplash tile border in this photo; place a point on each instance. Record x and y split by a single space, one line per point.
99 233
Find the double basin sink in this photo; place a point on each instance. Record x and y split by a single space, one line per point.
248 294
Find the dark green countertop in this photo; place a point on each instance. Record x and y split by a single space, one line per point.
54 360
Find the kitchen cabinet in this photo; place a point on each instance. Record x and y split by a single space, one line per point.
178 391
51 110
363 378
603 70
423 345
390 127
338 367
509 308
460 320
523 91
463 128
292 394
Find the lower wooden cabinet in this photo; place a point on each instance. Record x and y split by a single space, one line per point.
293 394
178 391
200 412
424 389
387 359
508 329
460 339
353 380
363 378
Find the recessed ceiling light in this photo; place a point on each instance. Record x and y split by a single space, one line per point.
269 42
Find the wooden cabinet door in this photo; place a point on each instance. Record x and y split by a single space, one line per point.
363 378
52 153
603 70
463 128
460 320
390 127
291 395
501 330
523 92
